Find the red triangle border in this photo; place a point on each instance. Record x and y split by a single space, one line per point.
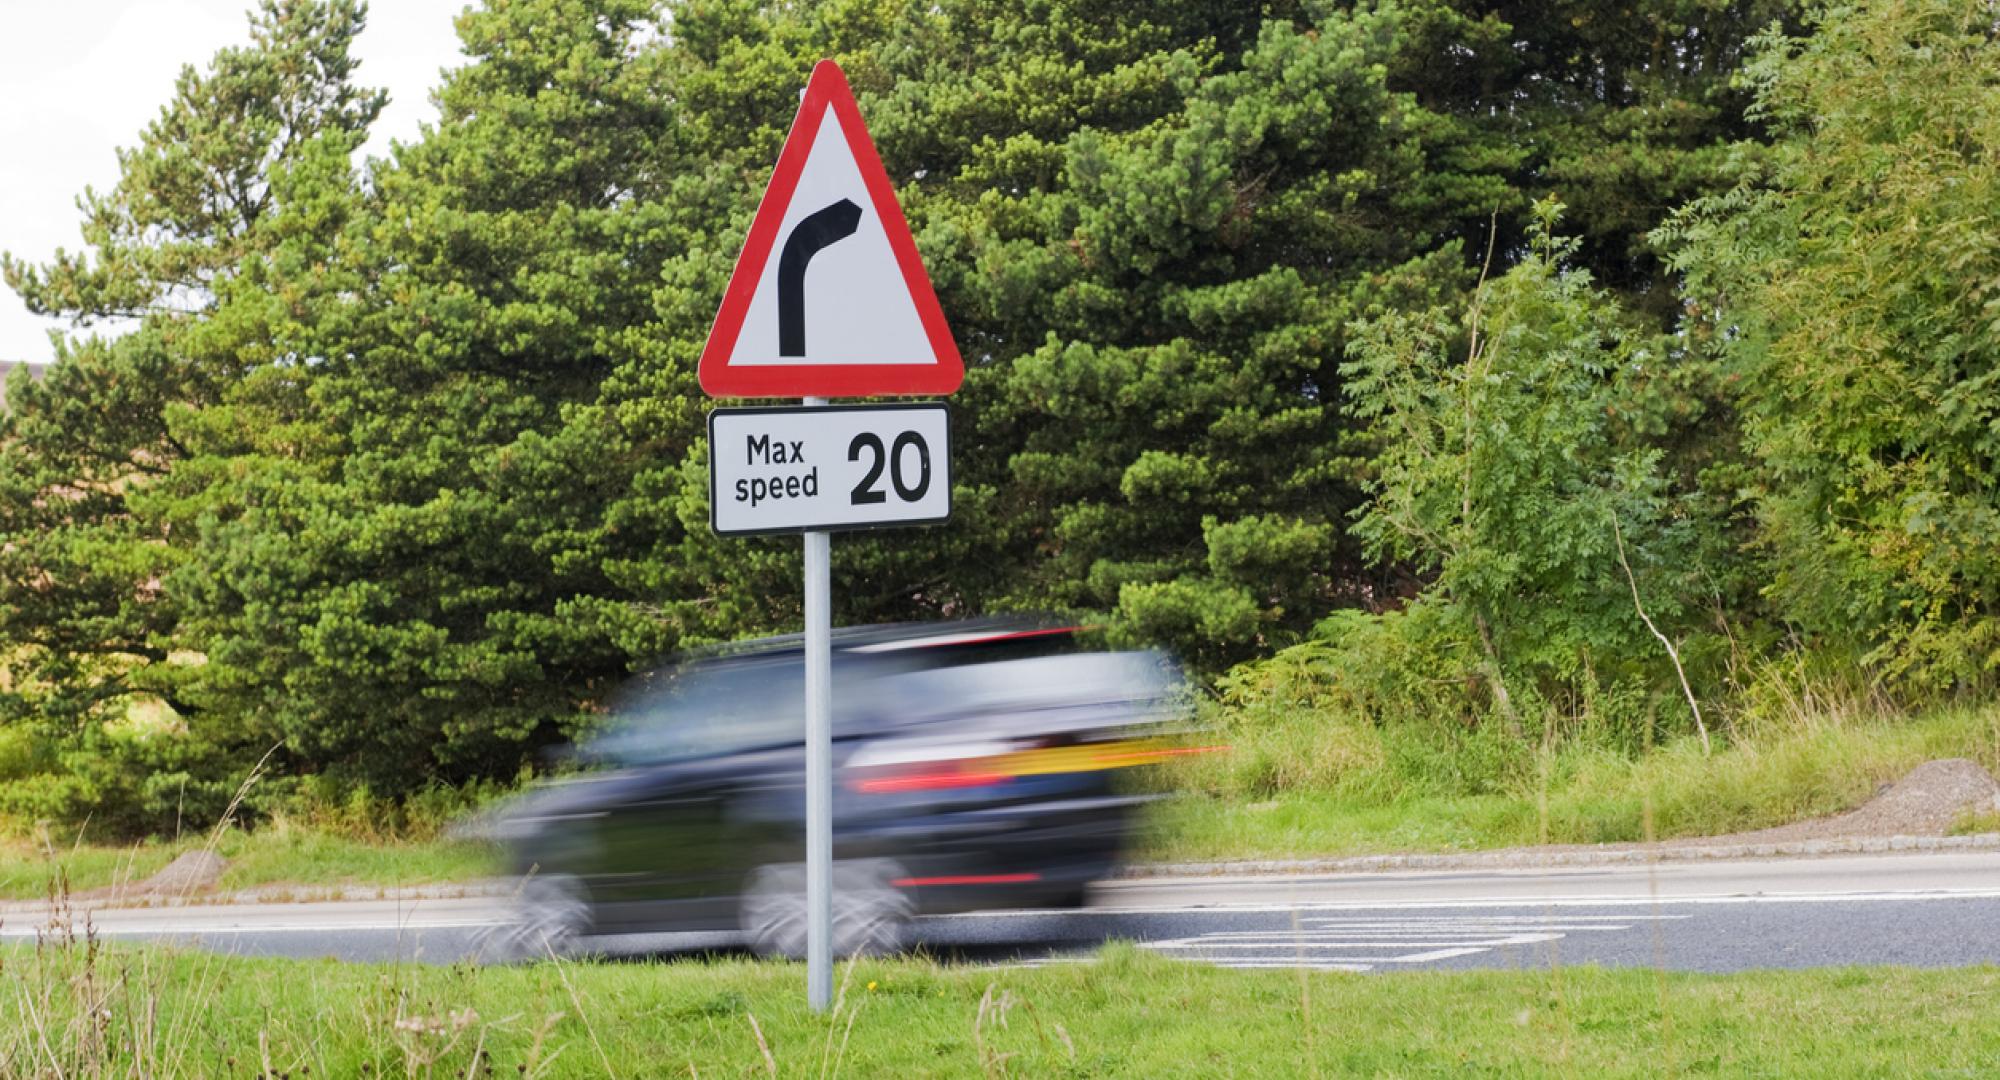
827 87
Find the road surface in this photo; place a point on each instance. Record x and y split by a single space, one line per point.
1920 909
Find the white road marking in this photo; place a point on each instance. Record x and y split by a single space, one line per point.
1491 902
1427 957
1575 922
114 930
1224 962
1651 901
1309 965
1277 940
1419 940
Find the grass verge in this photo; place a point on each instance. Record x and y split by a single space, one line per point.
81 1010
296 858
1297 783
1367 801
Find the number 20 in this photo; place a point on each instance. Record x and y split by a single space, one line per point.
866 492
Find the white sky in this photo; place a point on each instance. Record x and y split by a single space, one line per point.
80 78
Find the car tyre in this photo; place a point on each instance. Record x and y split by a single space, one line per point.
870 913
551 916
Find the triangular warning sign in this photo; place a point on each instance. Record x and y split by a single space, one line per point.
829 298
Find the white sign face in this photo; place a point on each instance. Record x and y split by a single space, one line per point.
774 470
852 304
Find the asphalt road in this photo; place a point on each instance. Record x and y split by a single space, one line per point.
1919 909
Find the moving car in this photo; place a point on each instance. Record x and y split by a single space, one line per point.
976 766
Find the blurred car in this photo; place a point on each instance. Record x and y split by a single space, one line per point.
975 767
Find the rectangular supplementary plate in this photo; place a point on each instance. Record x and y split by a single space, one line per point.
828 467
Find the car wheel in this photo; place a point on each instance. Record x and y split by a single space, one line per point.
551 914
869 911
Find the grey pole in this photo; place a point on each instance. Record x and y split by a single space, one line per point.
819 770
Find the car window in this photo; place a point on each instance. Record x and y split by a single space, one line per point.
706 709
1135 681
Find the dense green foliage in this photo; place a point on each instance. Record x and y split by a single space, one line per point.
1851 283
1510 475
1271 325
232 193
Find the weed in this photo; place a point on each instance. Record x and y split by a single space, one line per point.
1977 823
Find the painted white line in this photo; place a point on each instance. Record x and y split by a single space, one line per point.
1043 961
1425 958
1488 920
1647 901
1435 937
1570 900
1435 924
1439 931
1294 943
1497 928
275 928
1308 965
1470 936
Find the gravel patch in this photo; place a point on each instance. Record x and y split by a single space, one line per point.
1928 801
191 874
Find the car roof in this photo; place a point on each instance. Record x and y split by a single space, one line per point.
889 638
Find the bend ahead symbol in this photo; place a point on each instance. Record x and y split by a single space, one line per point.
815 231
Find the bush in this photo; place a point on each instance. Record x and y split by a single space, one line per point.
1850 285
355 812
1375 706
1510 471
145 775
120 779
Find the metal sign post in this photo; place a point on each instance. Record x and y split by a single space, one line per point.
813 469
819 768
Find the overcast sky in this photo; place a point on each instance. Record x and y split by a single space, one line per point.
80 78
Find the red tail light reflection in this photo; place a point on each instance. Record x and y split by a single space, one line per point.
935 781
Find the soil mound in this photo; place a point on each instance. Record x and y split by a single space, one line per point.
1927 801
190 872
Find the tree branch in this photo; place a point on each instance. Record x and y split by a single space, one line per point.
1495 679
1472 355
1672 653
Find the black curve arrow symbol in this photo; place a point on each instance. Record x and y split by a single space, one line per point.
819 229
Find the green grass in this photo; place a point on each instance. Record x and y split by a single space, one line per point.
1369 804
287 857
1974 823
88 1012
1298 825
1294 785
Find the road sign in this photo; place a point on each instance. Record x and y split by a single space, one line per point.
844 309
793 469
829 298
